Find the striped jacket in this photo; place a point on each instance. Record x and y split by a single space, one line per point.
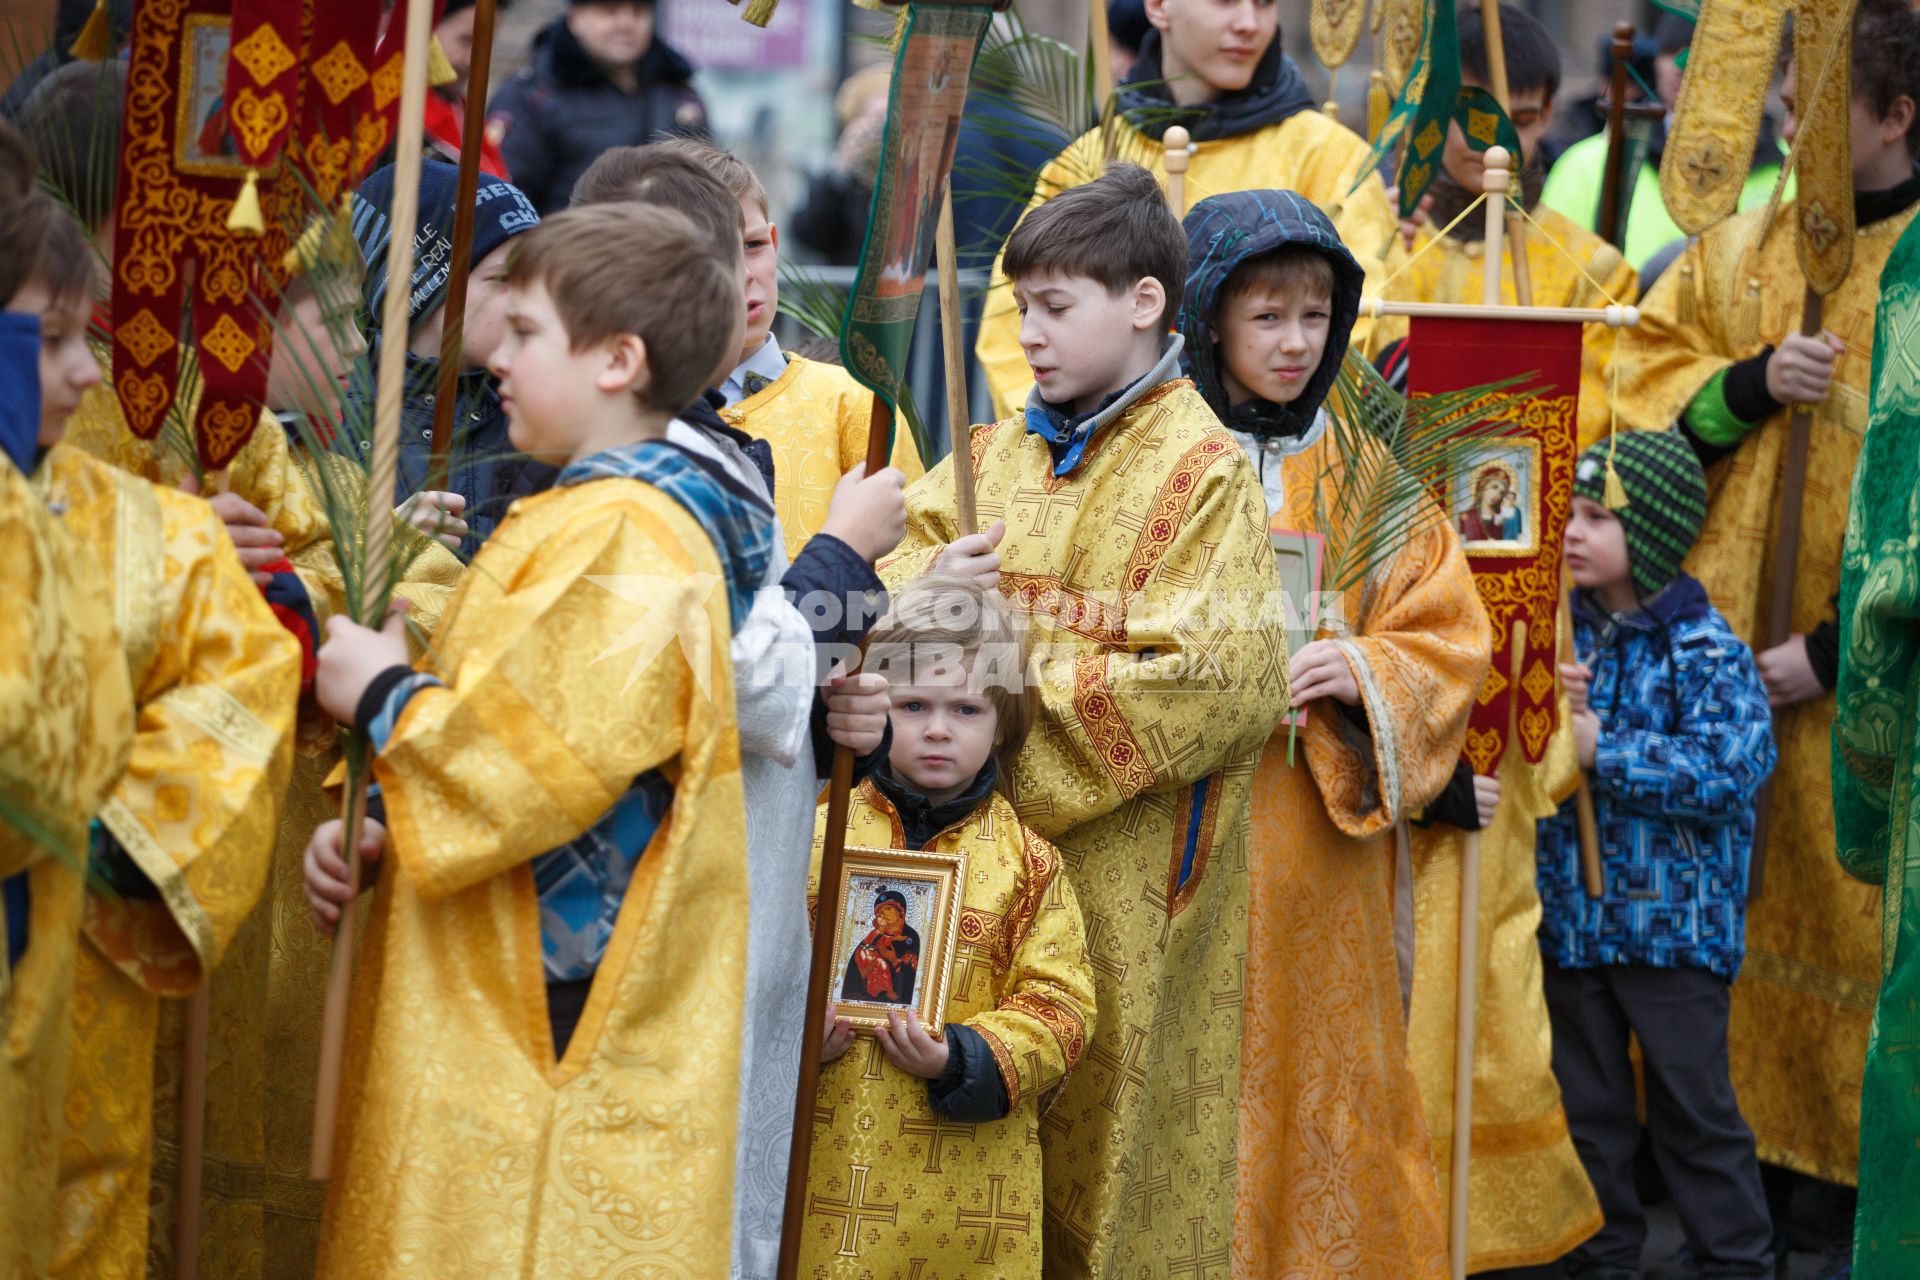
1686 740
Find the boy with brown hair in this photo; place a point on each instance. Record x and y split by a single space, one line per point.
833 573
1217 69
1131 529
566 699
813 414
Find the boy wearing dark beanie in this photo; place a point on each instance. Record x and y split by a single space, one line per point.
1671 722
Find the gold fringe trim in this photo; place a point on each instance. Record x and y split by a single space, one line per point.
1746 314
1379 104
760 12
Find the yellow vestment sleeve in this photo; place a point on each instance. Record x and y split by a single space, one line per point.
566 682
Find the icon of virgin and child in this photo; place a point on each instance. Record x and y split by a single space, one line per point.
884 962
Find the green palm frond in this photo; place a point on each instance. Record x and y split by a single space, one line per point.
817 307
17 810
1393 452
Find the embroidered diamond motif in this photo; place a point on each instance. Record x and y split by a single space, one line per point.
386 83
228 343
1493 686
1430 137
264 55
145 337
339 73
1538 682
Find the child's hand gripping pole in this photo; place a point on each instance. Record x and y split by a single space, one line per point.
373 571
826 912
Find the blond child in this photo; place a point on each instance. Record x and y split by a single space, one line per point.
960 1152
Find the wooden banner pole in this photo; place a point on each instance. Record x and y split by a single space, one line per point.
1516 226
1786 557
959 414
452 335
826 911
373 595
1609 221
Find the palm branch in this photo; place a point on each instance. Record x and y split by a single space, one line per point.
817 307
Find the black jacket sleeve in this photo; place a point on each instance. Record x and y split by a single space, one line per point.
841 597
1455 805
970 1090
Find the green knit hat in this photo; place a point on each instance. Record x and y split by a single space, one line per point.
1665 499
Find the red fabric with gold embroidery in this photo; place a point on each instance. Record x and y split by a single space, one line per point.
172 249
1518 574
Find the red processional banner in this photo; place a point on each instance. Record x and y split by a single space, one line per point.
1510 508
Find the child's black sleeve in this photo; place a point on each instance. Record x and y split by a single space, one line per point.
970 1090
1455 805
841 597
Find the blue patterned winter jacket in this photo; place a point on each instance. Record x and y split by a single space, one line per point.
1685 743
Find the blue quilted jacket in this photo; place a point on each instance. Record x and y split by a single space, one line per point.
1685 743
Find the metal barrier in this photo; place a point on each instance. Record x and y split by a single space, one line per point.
926 371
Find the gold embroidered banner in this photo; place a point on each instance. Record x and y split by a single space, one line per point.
174 259
1823 151
1335 26
1510 508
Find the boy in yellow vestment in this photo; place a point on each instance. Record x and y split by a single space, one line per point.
1522 1137
183 842
1217 70
1718 349
950 1180
66 723
1130 528
561 788
1568 266
814 415
1335 1175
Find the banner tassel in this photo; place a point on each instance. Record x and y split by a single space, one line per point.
1379 104
440 72
760 12
95 41
246 208
1616 493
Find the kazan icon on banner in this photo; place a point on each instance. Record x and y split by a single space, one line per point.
898 927
1494 501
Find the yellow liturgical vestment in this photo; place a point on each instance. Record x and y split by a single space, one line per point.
815 416
215 678
66 723
1335 1172
465 1149
895 1191
1797 1037
1162 671
1307 152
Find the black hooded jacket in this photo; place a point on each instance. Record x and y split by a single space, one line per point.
562 111
1227 230
1276 91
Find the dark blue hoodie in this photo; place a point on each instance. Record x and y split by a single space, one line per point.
1222 233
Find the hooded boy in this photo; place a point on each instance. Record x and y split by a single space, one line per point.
484 468
1334 1168
1216 68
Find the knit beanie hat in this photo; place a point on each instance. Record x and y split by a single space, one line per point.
1666 499
501 212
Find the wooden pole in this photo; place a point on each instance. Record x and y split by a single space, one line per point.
192 1123
1460 1170
1585 819
1516 226
1611 316
1609 220
193 1134
1174 143
1101 47
1786 558
373 594
959 415
452 334
1495 181
826 911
